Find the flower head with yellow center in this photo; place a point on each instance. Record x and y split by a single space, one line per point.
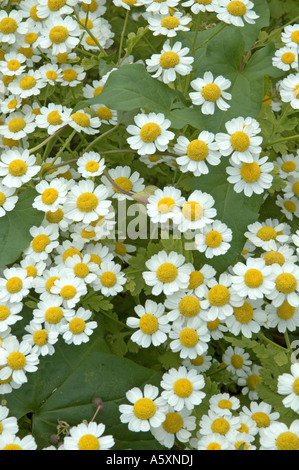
210 92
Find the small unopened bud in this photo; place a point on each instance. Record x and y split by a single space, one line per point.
98 403
54 439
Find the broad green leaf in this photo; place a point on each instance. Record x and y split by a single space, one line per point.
66 384
15 226
234 209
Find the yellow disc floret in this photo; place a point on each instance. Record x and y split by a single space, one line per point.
183 388
286 283
150 132
169 60
173 422
197 150
16 360
88 442
77 326
167 272
211 92
218 295
240 141
108 279
144 408
148 324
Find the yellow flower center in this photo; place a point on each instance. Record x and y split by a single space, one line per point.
2 198
69 75
197 150
104 113
68 292
170 22
8 26
169 59
189 337
244 314
237 361
49 196
192 211
30 38
62 57
167 272
196 279
173 423
236 8
144 408
218 295
13 65
92 166
88 442
51 75
81 119
220 426
70 252
81 270
54 118
285 311
16 125
50 283
12 104
17 168
4 312
250 172
241 443
12 447
296 386
31 271
16 360
95 259
77 326
92 6
287 441
288 58
240 141
189 306
33 14
253 278
120 249
212 445
266 234
149 132
53 315
225 404
148 324
290 206
296 91
98 90
165 205
211 92
26 83
40 242
198 361
296 188
14 285
213 239
130 2
286 283
289 166
88 235
108 279
58 34
204 2
124 183
40 337
252 381
87 22
295 36
183 388
87 202
261 419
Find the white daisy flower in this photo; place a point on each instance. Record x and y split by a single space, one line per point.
247 319
16 359
17 168
199 280
182 305
14 285
13 64
250 178
221 299
78 329
82 121
286 58
58 219
165 204
52 195
243 440
213 240
45 240
126 180
8 199
288 385
104 36
216 329
268 235
27 84
8 424
19 124
285 317
40 339
168 273
88 437
286 279
223 404
144 413
237 361
153 326
82 267
61 34
98 253
288 206
9 314
171 61
236 12
189 339
128 4
249 381
8 441
291 188
289 90
182 388
210 92
70 289
72 75
195 154
65 249
288 165
227 425
290 35
149 134
11 26
197 211
123 251
161 6
53 117
177 426
86 202
110 279
10 104
168 25
201 5
253 279
279 436
212 441
51 74
261 413
46 8
50 312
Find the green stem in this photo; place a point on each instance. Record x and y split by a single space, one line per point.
279 141
44 142
123 35
287 340
211 37
90 33
267 340
66 144
95 141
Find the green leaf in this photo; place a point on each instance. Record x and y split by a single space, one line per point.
65 385
134 272
234 209
15 226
